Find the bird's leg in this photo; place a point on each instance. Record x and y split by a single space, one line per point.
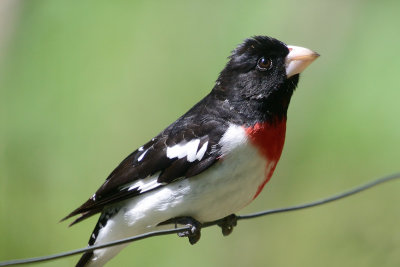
193 233
227 224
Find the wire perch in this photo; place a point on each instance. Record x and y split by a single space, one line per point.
208 224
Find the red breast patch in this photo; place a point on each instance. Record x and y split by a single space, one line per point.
269 139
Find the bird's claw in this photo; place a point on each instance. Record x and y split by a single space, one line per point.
193 234
227 224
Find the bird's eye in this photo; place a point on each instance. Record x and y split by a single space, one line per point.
264 64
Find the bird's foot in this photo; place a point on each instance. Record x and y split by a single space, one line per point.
193 234
227 224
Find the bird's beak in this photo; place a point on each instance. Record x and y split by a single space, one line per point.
298 59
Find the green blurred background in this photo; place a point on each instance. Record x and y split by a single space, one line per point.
84 83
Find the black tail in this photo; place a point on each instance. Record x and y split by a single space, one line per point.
104 217
84 259
88 255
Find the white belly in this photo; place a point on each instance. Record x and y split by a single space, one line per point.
223 189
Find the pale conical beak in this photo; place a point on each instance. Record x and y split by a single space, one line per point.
298 59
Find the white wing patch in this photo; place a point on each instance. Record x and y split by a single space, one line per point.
202 151
145 184
142 155
188 150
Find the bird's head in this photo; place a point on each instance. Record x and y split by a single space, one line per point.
263 69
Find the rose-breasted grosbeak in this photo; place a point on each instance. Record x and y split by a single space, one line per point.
212 161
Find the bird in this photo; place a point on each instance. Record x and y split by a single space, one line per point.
208 164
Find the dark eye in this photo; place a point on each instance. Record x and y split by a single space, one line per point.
264 64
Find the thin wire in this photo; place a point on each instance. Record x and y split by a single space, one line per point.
353 191
91 248
208 224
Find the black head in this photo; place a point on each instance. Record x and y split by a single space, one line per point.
256 69
255 77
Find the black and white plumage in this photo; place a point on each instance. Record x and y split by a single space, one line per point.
212 161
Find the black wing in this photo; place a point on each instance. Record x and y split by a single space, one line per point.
152 158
